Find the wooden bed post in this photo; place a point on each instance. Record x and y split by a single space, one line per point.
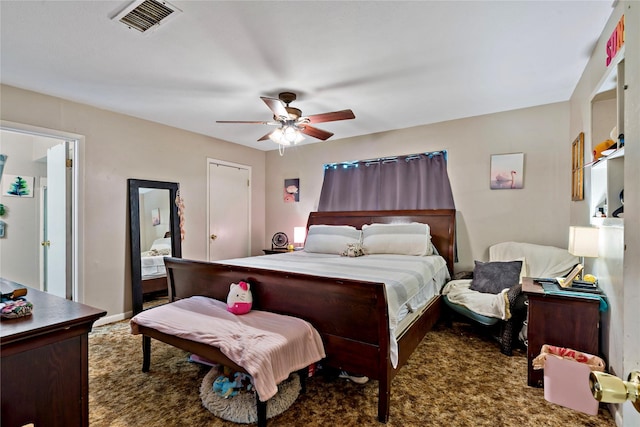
384 395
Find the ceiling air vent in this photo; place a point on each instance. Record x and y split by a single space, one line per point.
144 15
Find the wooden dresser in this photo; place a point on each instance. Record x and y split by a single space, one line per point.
45 362
564 321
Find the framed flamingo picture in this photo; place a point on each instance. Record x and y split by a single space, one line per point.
292 190
507 171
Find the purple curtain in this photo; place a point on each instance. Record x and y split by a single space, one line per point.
417 181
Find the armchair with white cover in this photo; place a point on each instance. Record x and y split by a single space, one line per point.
492 295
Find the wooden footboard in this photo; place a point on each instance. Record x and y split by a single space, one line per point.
351 316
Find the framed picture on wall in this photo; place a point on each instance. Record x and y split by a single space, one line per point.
17 185
292 190
507 171
577 168
155 216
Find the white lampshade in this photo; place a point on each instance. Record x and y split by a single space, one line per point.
583 241
299 233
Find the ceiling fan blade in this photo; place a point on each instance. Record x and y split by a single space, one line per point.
276 106
246 122
315 132
332 117
265 137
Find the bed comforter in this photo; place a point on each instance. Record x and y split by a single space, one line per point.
410 281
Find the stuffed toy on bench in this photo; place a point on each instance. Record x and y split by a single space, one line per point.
239 300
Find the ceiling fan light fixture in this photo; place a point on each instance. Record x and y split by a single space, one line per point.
293 134
286 135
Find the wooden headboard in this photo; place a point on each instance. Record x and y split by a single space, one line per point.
441 222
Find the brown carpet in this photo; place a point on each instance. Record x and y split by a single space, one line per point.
456 377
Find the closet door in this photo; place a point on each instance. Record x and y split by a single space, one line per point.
229 190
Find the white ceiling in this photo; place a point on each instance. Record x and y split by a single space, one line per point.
396 64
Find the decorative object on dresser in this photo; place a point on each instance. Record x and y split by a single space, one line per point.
505 308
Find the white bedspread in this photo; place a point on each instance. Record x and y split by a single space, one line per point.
152 265
406 278
268 346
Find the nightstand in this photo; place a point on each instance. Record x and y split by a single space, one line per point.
564 321
275 251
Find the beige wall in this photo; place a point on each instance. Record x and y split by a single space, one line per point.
537 213
117 147
617 266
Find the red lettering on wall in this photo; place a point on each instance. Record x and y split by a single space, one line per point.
615 42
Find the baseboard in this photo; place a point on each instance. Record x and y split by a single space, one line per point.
616 412
112 319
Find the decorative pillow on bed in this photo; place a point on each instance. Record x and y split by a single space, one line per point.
400 239
493 277
330 239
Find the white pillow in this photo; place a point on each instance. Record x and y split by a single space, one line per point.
163 243
400 239
330 239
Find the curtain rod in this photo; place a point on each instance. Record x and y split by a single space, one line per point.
384 160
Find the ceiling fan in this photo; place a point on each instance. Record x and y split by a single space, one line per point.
291 123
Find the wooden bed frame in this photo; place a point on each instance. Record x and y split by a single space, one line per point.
351 316
154 286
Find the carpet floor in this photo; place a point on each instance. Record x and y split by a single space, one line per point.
456 377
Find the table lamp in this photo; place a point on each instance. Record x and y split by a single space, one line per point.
583 242
299 234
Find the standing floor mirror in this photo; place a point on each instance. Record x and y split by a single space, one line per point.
154 232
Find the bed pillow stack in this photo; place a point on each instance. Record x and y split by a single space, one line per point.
399 239
331 239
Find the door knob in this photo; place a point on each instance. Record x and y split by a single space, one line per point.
213 237
611 389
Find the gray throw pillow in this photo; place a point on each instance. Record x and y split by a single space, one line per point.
493 277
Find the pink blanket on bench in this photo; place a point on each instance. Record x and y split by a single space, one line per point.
268 346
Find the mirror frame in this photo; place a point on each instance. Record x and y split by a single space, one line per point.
134 232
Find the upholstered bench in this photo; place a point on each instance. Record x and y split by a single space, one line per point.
267 346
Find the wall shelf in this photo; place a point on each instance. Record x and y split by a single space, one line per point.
607 173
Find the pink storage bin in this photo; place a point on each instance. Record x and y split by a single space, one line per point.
566 383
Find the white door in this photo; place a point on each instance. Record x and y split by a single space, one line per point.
229 210
56 246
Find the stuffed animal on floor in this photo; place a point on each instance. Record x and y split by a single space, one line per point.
243 381
239 300
225 388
